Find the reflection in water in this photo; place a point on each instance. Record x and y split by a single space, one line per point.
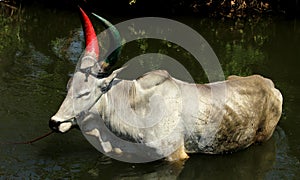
154 170
257 162
269 160
71 159
282 167
70 47
34 73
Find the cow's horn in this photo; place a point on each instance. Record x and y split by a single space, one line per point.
91 41
115 40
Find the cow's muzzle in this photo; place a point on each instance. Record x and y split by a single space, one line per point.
62 126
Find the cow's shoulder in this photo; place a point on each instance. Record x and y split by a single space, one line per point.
153 79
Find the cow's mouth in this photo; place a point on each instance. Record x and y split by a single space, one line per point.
63 126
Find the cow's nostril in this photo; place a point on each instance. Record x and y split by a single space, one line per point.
54 125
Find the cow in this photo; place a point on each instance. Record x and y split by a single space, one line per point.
171 116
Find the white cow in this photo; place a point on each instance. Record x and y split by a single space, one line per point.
168 115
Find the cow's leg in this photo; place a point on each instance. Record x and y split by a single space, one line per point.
178 155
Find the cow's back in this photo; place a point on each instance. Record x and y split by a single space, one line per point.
248 113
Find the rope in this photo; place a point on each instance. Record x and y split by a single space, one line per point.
30 141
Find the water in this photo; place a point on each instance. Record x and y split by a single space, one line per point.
39 52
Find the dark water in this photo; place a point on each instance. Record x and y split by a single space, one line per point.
39 51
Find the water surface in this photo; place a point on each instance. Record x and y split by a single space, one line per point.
39 52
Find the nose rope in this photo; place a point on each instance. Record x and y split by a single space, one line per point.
30 141
83 113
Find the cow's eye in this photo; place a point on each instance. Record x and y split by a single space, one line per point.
84 94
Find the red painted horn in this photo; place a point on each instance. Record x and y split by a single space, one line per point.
91 41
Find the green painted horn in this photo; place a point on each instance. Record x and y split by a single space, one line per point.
115 39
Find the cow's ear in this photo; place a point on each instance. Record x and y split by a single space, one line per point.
104 83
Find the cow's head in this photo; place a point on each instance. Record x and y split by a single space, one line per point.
90 79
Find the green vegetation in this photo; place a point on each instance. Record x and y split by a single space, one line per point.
241 61
10 22
10 28
238 42
224 8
